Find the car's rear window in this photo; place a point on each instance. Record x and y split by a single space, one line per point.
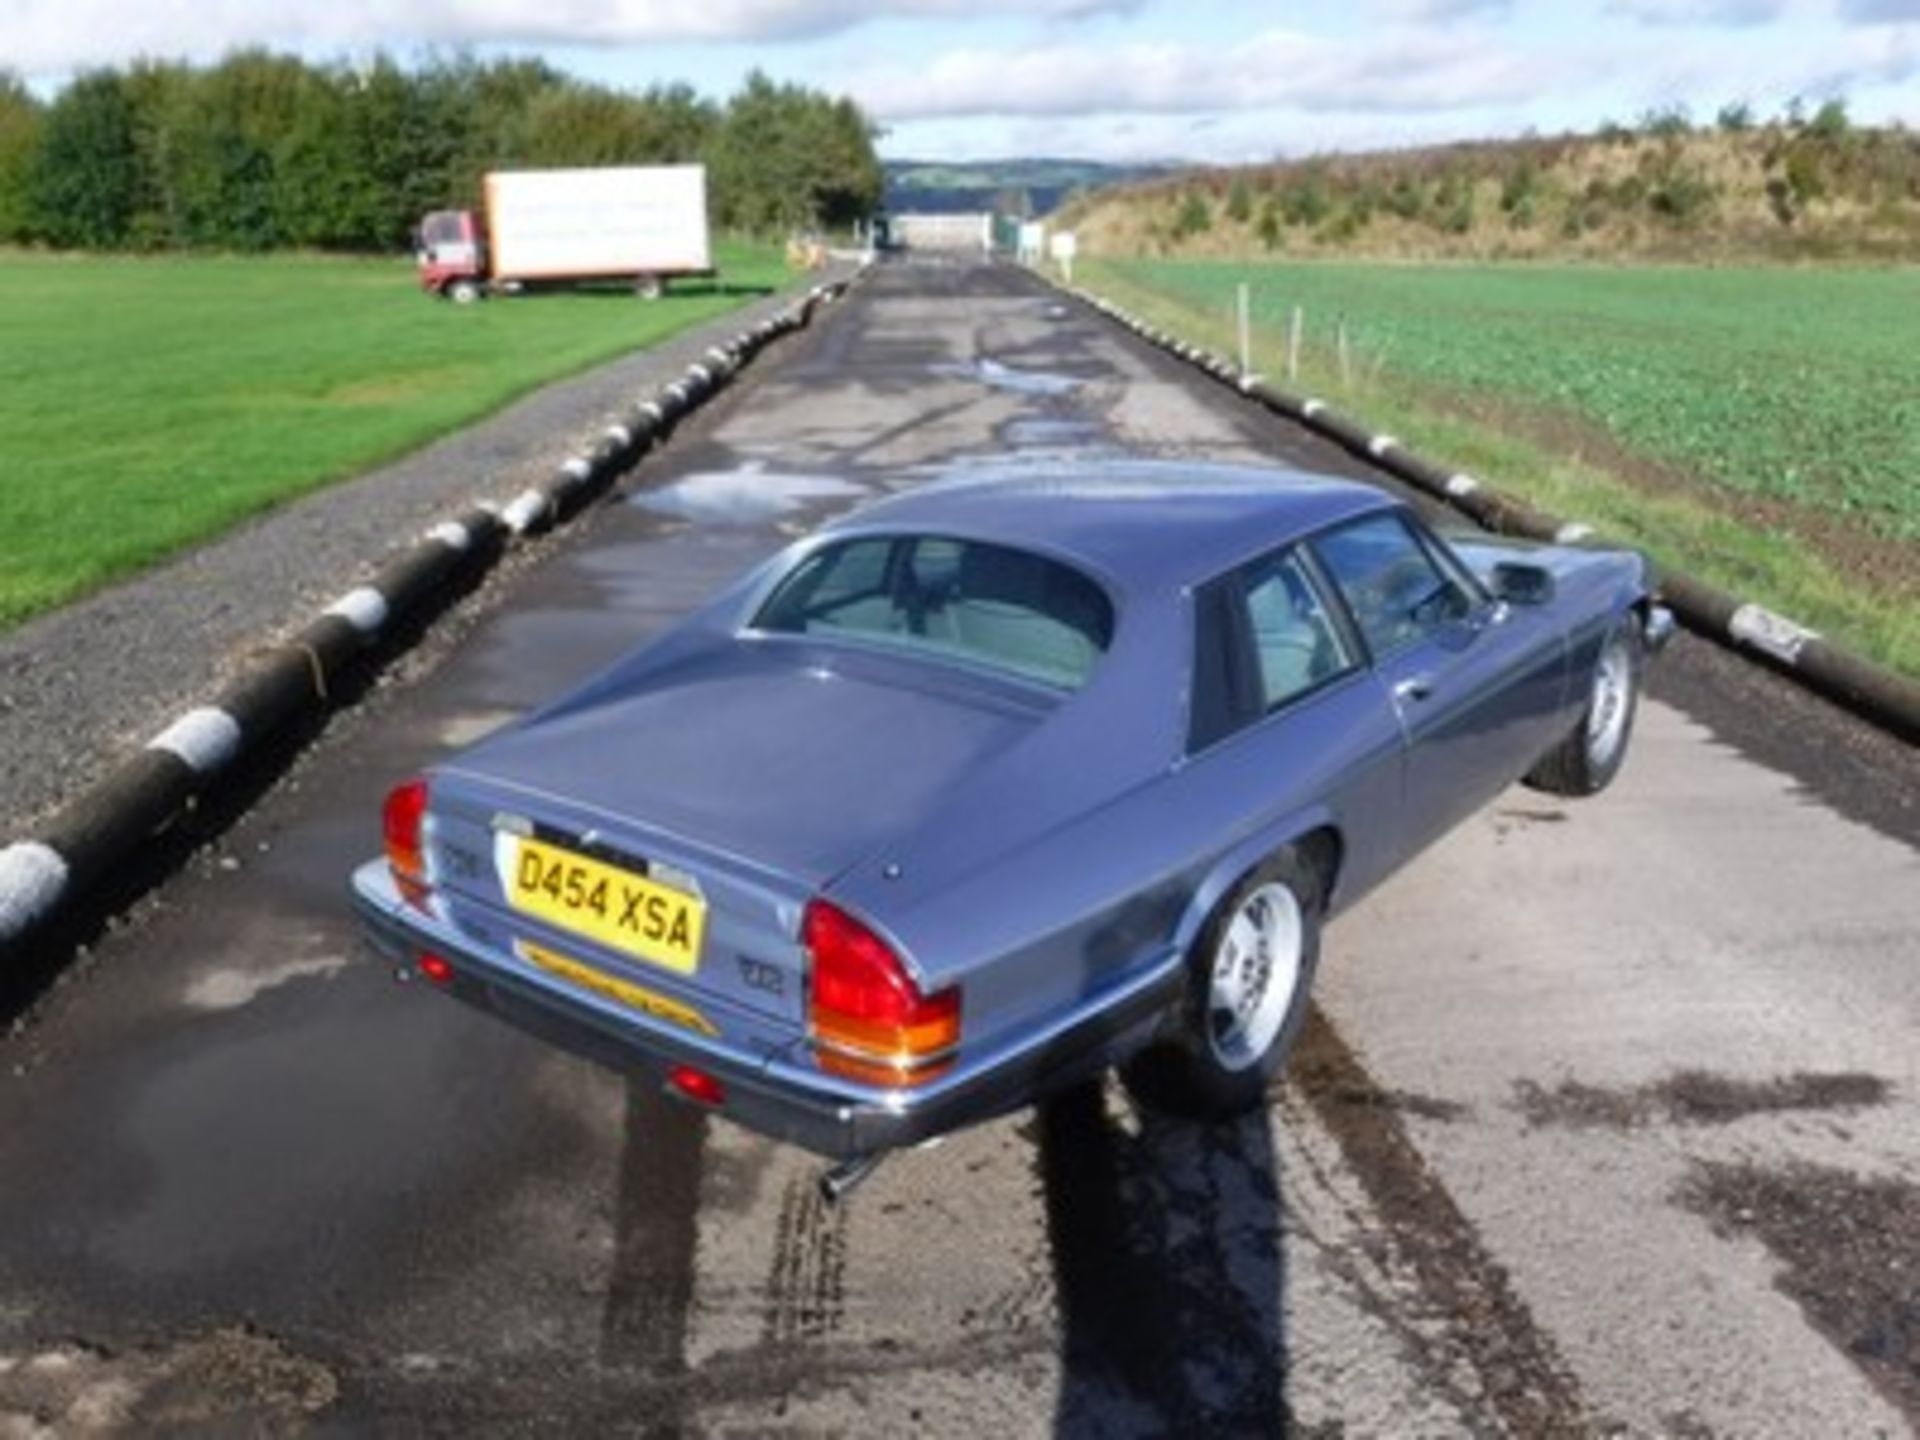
994 605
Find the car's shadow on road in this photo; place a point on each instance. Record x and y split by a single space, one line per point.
1169 1267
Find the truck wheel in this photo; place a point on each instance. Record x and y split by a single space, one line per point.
1248 975
649 287
1590 755
462 292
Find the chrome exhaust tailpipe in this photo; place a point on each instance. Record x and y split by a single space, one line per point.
838 1182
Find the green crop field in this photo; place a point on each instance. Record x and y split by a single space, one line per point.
146 404
1757 426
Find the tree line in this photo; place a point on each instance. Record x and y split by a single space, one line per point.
265 151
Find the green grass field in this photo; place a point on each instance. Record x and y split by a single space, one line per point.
1756 426
146 404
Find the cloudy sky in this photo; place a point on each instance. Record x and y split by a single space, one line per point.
1110 79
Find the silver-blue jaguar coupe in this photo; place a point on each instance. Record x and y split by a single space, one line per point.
1000 781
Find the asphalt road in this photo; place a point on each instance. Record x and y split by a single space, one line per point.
1607 1123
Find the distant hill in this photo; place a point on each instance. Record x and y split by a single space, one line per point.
1036 187
1792 188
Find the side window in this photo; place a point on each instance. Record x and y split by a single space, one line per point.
1294 639
1223 698
1397 594
1262 635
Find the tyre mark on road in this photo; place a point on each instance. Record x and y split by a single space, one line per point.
1376 1278
1525 1380
644 1323
806 1284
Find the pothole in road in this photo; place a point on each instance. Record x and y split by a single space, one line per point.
1693 1097
1850 1248
748 495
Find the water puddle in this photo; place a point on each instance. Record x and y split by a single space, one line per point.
996 376
469 726
749 495
230 987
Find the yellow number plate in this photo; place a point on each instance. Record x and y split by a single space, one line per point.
611 987
621 910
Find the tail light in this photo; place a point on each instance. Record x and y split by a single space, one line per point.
869 1019
403 820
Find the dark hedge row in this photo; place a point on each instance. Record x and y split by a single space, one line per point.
266 151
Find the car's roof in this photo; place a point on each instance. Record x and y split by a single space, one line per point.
1143 523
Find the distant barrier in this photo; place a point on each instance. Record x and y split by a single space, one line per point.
47 879
1873 692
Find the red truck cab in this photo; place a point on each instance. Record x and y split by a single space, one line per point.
452 256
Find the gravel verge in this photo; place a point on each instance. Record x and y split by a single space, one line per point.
81 684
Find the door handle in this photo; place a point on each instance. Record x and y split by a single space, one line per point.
1417 687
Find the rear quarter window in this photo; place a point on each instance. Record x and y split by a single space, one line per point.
1263 638
992 605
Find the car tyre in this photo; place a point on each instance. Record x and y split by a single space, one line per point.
649 287
463 292
1248 977
1591 754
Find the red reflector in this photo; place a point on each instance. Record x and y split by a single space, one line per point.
436 969
697 1085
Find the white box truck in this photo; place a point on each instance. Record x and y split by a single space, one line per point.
636 224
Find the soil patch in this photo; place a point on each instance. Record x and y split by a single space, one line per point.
1693 1097
230 1382
1850 1248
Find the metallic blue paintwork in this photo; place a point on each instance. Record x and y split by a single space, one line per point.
1045 851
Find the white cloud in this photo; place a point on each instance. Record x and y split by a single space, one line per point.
1405 73
1877 12
1698 12
1429 11
1249 138
1841 63
56 35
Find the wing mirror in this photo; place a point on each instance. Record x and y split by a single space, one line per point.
1519 583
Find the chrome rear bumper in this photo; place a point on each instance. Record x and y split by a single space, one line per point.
776 1095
